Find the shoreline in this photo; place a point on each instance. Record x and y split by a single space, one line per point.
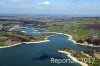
10 45
71 39
16 28
45 40
73 58
25 43
41 41
86 54
87 45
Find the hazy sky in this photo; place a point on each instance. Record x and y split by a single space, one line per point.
68 7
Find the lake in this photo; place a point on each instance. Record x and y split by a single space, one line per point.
30 30
39 54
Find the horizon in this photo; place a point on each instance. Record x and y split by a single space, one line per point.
50 15
59 7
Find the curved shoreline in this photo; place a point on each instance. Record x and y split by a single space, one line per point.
45 40
90 45
16 28
73 58
82 44
71 39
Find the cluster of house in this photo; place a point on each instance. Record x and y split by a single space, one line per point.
94 35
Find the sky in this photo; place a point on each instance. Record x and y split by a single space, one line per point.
65 7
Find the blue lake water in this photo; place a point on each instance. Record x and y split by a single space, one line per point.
39 54
30 31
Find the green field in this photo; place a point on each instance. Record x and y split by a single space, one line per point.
77 28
